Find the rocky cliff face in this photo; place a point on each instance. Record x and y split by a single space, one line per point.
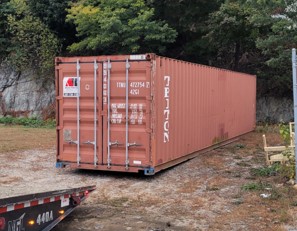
274 110
21 95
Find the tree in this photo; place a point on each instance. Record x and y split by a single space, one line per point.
32 44
189 18
5 10
231 36
53 14
118 26
279 17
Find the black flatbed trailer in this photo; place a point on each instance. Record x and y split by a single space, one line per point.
40 211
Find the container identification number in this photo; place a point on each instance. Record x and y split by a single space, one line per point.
136 86
44 217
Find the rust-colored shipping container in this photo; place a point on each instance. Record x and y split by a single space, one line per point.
135 113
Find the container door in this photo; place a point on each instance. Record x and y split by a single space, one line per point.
79 107
126 104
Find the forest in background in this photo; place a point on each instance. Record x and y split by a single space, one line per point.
252 36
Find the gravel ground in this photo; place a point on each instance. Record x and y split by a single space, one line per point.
201 194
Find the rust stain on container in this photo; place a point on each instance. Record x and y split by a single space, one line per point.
136 113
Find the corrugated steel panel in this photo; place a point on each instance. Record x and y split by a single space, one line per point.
170 110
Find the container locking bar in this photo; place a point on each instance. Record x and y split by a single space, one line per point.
108 113
127 114
77 113
95 114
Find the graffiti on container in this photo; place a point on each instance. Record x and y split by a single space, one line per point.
136 116
166 109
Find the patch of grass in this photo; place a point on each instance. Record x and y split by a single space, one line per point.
267 128
237 157
16 138
243 164
237 175
275 194
284 216
212 188
28 122
265 171
237 201
239 146
251 186
118 202
255 186
294 203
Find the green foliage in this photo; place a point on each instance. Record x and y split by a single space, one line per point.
112 26
53 14
256 37
255 186
278 17
189 18
266 171
28 122
231 36
239 146
287 170
284 131
5 10
33 45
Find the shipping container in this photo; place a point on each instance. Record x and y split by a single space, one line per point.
145 113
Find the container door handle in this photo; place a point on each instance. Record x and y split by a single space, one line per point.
72 141
90 142
116 143
133 144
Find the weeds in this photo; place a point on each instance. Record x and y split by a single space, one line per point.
284 216
287 170
284 131
266 127
28 122
239 146
266 171
294 203
255 186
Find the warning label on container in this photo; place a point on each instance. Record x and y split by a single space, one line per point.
70 86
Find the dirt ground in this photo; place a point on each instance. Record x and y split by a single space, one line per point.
205 193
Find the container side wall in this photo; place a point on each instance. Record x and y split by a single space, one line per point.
198 106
